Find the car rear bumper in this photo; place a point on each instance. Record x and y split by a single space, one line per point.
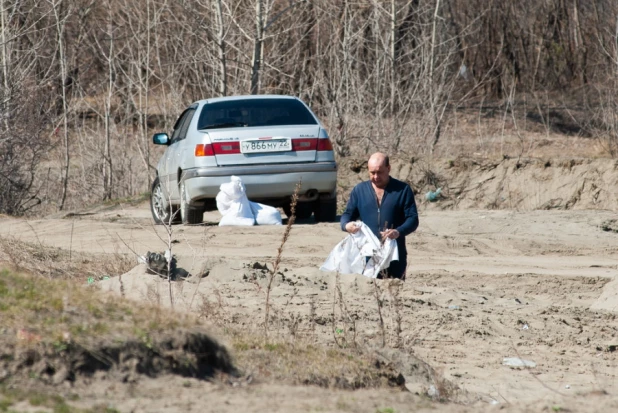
263 181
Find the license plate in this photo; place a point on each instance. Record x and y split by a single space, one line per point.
270 145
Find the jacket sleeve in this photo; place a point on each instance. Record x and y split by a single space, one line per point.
351 212
410 223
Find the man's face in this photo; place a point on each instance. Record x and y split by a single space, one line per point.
378 173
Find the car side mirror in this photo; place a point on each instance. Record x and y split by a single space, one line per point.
160 139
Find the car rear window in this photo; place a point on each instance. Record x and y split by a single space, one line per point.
255 112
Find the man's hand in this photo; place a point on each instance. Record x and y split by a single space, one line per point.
352 228
389 234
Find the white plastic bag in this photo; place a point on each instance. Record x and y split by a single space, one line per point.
233 204
236 209
361 253
265 214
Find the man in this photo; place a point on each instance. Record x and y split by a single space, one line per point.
387 206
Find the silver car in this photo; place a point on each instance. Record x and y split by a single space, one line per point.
271 142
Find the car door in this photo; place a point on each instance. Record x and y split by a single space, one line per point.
175 150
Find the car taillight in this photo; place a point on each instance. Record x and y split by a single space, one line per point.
324 145
204 150
226 148
304 144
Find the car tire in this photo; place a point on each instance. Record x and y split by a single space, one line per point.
160 206
326 210
189 214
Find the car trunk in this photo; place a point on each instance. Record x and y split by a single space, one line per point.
265 145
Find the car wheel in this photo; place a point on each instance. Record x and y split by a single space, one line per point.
189 214
161 209
326 210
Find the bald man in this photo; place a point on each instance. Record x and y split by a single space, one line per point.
387 206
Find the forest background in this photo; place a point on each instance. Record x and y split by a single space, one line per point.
85 83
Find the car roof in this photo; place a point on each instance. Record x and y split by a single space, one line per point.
245 97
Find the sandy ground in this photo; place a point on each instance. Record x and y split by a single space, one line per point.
482 286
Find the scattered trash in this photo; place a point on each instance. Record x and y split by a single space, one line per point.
339 331
568 386
525 327
432 196
91 280
518 301
432 391
157 263
494 402
28 336
454 307
517 362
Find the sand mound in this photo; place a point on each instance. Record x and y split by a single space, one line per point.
608 301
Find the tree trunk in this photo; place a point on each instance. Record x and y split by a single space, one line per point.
60 26
257 51
221 49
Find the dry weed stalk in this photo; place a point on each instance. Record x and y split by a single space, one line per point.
377 293
169 241
339 301
293 323
394 289
275 269
212 310
312 317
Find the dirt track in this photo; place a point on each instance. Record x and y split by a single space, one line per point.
482 286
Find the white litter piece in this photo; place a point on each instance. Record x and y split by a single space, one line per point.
350 255
265 214
236 209
517 362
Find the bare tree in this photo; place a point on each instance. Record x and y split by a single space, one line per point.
60 14
262 24
220 40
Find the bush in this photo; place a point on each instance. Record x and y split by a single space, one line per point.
23 146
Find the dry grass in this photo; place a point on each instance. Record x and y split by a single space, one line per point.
279 361
49 262
53 312
55 330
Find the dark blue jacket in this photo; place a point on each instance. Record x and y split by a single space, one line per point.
398 210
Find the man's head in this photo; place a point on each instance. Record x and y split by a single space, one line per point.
379 169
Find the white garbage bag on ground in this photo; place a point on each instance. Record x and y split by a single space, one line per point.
265 214
236 209
233 204
362 253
